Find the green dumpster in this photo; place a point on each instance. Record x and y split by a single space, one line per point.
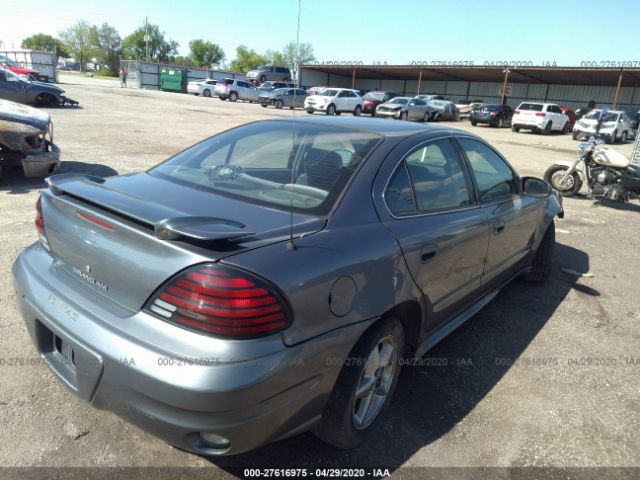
174 80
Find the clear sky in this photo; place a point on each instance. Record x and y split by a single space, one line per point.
567 32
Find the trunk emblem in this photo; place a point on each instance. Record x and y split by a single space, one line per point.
87 269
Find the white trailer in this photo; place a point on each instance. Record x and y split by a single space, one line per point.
44 63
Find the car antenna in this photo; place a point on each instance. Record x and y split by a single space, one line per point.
290 245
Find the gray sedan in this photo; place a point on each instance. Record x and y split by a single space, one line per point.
17 89
272 278
284 97
404 108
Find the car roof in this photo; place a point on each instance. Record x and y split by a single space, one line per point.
380 126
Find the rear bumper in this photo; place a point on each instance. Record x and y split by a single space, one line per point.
249 402
526 125
41 164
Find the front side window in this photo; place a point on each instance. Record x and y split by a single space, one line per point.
274 163
495 179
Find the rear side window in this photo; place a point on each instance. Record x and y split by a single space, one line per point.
399 194
226 82
495 179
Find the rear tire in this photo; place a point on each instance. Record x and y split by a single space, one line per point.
473 124
233 96
543 260
623 138
310 112
263 79
500 123
357 111
404 116
565 129
547 128
372 369
515 129
554 174
574 135
612 139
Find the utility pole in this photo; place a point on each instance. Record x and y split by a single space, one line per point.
146 38
504 86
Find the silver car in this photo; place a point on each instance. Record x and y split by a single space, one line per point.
405 108
265 73
284 97
272 278
234 90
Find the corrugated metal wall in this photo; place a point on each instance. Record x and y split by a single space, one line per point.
572 96
147 74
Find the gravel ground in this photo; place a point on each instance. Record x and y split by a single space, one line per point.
545 376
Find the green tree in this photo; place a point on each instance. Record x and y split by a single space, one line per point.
160 49
42 41
78 39
295 56
184 61
205 53
108 46
276 58
247 59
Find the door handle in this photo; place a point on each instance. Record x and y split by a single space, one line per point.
498 227
427 253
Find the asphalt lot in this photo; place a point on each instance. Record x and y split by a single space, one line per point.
544 376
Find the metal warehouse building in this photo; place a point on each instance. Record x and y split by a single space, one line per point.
567 86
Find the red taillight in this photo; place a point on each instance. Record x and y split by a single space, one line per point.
222 301
516 112
493 114
539 114
40 225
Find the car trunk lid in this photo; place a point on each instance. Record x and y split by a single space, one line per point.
122 237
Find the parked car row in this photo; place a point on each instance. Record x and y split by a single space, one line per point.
539 117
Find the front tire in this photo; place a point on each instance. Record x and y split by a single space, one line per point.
500 123
623 138
612 139
279 104
515 129
473 124
554 175
364 387
574 135
404 116
206 93
543 260
331 110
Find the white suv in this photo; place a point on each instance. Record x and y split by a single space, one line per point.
539 117
615 126
236 90
334 101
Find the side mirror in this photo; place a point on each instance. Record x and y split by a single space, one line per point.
535 187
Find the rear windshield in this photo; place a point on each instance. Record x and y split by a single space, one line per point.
534 107
374 96
274 163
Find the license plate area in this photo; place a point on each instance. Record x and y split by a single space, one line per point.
78 368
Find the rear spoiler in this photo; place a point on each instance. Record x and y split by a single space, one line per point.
167 224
